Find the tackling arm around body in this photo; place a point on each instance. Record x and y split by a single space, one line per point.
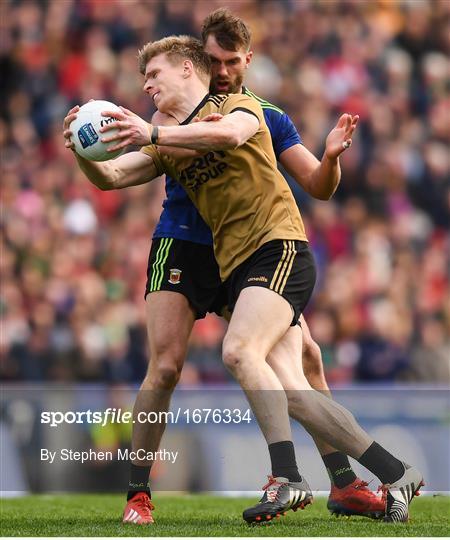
230 131
160 119
133 168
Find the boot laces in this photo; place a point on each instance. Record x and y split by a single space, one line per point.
271 488
144 504
362 484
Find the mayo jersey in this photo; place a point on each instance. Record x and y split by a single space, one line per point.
239 193
180 219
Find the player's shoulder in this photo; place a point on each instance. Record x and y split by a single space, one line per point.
221 99
217 99
214 103
228 103
267 107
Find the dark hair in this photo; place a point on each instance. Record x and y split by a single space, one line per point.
177 48
231 32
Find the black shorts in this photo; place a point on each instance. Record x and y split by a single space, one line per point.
283 266
189 269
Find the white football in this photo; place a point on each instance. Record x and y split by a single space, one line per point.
86 131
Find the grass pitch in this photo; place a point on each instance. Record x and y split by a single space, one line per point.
202 515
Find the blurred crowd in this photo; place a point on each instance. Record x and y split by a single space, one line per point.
74 259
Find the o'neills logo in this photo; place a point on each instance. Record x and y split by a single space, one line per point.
260 278
175 276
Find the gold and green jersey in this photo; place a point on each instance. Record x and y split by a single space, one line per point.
239 192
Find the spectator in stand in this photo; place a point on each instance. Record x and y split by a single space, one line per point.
74 260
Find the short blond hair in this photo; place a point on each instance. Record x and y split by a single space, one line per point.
177 48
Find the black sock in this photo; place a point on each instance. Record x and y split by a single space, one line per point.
139 481
382 463
339 469
282 456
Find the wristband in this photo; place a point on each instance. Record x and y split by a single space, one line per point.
155 134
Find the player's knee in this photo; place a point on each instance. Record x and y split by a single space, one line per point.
165 367
235 353
232 357
165 376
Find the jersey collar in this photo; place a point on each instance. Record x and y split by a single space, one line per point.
195 111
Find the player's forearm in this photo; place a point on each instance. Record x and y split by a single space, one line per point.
200 136
325 178
98 173
109 175
318 178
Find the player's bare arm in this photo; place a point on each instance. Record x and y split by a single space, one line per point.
131 169
163 119
229 132
321 178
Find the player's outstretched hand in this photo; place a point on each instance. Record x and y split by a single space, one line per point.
132 129
68 119
340 137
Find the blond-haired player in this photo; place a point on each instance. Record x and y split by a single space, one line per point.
261 249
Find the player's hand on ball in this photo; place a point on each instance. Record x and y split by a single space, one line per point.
132 129
340 137
69 118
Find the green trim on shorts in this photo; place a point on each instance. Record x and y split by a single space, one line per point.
158 265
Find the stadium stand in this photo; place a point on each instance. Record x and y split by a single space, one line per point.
74 259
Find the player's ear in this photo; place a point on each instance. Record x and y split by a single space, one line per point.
188 68
248 58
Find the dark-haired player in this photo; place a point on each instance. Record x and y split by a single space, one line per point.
226 38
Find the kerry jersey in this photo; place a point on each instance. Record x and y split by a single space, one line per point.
240 193
180 219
